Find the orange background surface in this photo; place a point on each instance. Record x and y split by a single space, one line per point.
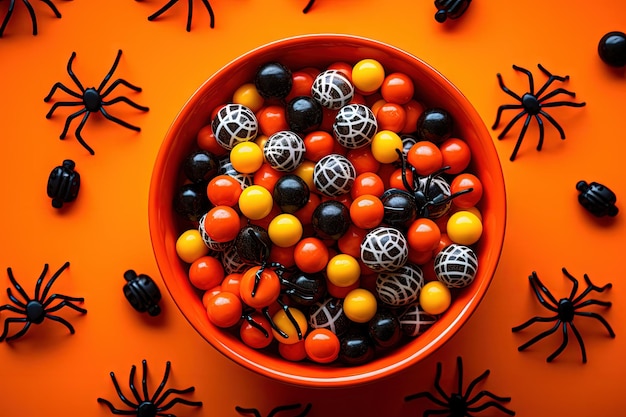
105 232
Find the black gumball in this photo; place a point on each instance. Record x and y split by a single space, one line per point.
612 49
356 348
399 208
273 80
200 166
253 244
384 329
303 114
434 125
331 219
305 289
191 201
291 193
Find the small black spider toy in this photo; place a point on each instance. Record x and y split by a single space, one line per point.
597 199
308 6
532 105
38 308
31 11
459 404
142 293
170 3
63 184
279 409
450 9
565 309
93 100
149 406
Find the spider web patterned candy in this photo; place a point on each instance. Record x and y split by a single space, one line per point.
328 314
234 123
332 89
401 287
355 126
384 249
232 262
456 266
415 321
284 150
334 175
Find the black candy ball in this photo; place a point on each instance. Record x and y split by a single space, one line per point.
253 244
434 125
399 208
191 201
356 348
303 114
273 80
200 166
612 49
384 329
331 219
291 193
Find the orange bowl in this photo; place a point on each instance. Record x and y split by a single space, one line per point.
319 51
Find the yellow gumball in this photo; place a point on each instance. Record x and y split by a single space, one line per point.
246 157
255 202
359 305
282 321
305 171
285 230
435 297
464 227
190 246
384 145
368 75
247 95
343 270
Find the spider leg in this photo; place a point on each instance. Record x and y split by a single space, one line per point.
144 378
506 90
488 394
179 401
210 10
13 309
53 7
119 121
291 318
501 109
63 88
107 77
189 14
65 303
7 17
574 284
428 395
19 303
308 6
79 130
127 101
560 349
599 318
511 123
69 119
115 410
118 390
538 286
551 79
564 103
169 392
17 286
266 314
431 412
166 376
522 133
473 384
541 132
531 81
33 18
554 123
491 404
555 92
63 104
162 10
580 342
593 302
117 82
540 336
62 321
131 384
50 282
281 408
459 366
590 286
18 334
534 320
73 76
252 411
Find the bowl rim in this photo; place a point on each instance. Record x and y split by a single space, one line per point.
353 375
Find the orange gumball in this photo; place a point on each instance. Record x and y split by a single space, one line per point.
206 272
311 255
425 157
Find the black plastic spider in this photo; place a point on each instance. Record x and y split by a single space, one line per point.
532 105
93 100
308 6
149 406
280 408
459 404
566 309
170 3
39 307
31 11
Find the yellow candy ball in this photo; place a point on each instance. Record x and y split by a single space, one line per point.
255 202
384 145
435 297
305 171
464 227
359 305
247 95
285 230
283 322
246 157
343 270
190 246
368 75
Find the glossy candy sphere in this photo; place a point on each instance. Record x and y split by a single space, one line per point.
415 321
255 202
356 348
291 193
206 272
334 175
190 246
423 235
463 182
464 228
224 190
384 145
267 288
400 208
200 166
612 49
368 75
247 95
233 124
318 144
425 157
391 116
456 154
285 230
328 314
304 289
367 211
384 249
355 126
311 255
322 346
367 183
303 114
222 223
435 298
360 305
343 270
246 157
401 287
284 150
332 89
456 266
397 88
224 309
253 244
331 219
272 119
190 201
384 328
434 125
273 80
254 337
294 333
